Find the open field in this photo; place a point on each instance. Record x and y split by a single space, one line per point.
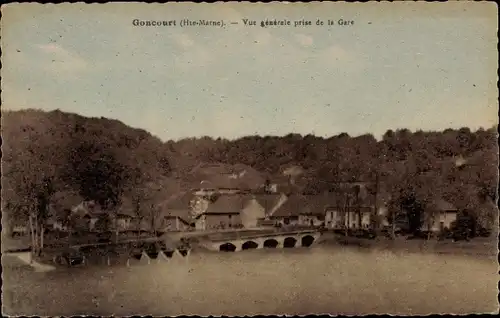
322 279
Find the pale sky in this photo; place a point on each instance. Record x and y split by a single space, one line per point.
426 66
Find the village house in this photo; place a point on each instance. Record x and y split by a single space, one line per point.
446 214
175 221
287 213
90 216
85 215
357 207
269 203
227 182
229 210
221 214
175 213
252 211
350 217
123 220
314 211
302 210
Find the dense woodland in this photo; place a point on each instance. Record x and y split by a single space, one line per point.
56 158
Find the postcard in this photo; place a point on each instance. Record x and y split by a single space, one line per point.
249 158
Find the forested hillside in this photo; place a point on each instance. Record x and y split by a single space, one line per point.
60 155
64 157
452 158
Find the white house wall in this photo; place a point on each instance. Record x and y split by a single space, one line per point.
445 218
336 219
200 223
251 213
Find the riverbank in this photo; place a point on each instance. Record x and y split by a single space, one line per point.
477 247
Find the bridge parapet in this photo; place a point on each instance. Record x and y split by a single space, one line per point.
274 240
237 236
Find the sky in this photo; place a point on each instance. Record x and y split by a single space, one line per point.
427 66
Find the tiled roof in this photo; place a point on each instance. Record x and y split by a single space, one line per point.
178 205
226 176
316 204
179 202
227 204
310 205
293 206
267 201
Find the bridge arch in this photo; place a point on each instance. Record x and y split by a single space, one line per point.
151 250
307 240
135 253
227 247
289 242
248 245
271 243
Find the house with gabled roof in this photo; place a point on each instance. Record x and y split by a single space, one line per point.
174 220
287 213
314 211
89 215
270 202
123 217
258 207
345 211
223 213
176 214
446 214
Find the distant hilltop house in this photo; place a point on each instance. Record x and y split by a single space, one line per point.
208 179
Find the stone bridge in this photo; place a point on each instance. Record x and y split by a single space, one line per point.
235 243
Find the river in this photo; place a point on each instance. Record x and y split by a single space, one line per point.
321 279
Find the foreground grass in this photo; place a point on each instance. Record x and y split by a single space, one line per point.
333 280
